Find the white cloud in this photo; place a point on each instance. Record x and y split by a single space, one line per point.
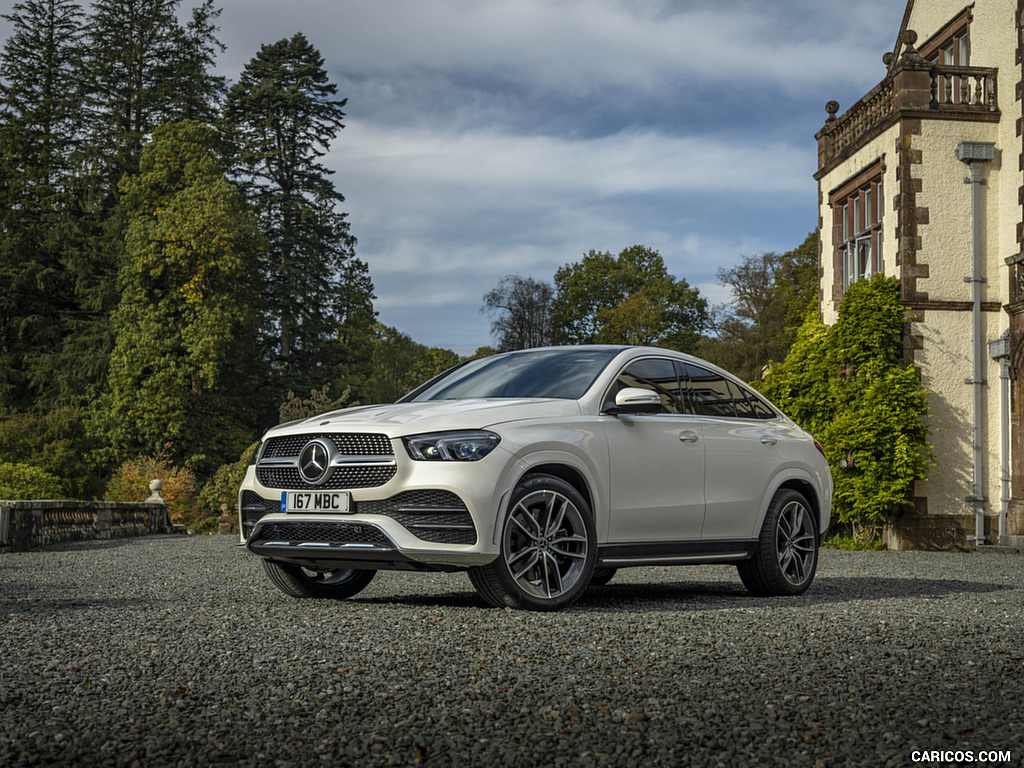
632 162
585 45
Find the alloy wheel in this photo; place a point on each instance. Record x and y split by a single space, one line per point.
795 542
545 544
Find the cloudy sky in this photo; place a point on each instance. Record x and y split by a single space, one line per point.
492 137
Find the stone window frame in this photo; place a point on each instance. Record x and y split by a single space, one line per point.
858 212
951 46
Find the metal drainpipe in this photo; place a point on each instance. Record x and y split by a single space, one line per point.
999 350
974 153
1004 444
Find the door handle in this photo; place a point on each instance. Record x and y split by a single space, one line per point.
769 439
688 437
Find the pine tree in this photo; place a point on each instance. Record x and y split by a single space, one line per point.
317 297
39 131
145 69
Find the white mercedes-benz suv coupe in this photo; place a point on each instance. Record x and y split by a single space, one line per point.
540 472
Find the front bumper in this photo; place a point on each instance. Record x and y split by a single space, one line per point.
428 516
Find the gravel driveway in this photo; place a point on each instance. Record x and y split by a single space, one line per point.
177 651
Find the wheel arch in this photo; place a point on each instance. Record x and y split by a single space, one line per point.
563 466
796 481
566 472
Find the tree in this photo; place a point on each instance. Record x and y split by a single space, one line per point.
521 307
145 69
40 128
848 385
628 299
183 365
80 95
400 365
316 297
771 293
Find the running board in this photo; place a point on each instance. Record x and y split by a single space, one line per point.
674 553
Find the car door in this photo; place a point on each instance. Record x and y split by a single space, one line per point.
656 462
741 436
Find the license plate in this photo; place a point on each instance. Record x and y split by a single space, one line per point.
331 502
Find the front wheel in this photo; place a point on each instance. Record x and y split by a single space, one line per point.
787 550
296 581
547 550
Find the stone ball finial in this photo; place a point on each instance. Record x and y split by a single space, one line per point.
910 55
887 58
832 107
156 485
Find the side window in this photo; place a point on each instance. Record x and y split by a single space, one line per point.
740 399
749 405
759 409
657 375
709 392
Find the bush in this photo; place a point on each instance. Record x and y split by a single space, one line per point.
848 386
21 482
131 483
59 443
223 487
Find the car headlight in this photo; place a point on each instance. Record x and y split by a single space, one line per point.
256 453
451 446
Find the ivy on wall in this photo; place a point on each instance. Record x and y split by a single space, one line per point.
847 384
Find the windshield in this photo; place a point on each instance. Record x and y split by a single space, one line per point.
562 373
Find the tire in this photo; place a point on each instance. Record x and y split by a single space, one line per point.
786 557
547 549
296 581
602 576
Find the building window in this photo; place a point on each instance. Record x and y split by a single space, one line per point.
857 207
950 47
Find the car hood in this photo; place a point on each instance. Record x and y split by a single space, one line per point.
400 419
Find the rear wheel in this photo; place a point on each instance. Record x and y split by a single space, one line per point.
547 550
297 581
787 549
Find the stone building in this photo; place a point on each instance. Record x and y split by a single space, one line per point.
923 179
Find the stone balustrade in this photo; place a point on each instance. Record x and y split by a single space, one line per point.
914 89
25 525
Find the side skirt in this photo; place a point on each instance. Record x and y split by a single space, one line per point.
674 553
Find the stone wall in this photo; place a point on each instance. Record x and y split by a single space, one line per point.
25 525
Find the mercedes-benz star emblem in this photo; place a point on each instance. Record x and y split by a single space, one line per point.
313 461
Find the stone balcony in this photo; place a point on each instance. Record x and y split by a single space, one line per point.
913 89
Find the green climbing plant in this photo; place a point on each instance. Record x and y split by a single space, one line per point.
848 385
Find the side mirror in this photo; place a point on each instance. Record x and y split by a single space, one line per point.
635 400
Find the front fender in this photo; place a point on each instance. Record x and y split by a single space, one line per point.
582 464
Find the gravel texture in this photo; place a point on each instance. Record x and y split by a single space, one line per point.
177 651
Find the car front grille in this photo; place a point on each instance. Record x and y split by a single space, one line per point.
371 453
307 532
430 515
